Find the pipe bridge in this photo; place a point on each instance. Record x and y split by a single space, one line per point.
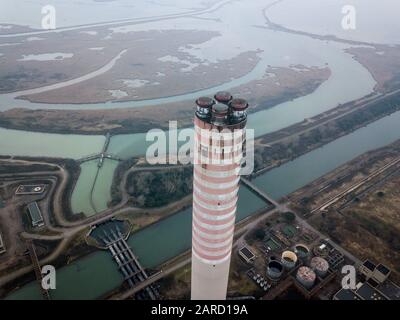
128 264
37 269
263 195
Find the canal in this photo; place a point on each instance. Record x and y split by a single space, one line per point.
171 236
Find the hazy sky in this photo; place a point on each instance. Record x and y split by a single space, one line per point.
377 20
28 12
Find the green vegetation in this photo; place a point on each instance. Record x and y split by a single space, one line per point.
158 188
119 172
363 235
176 286
259 234
380 194
23 77
292 148
289 216
380 229
10 168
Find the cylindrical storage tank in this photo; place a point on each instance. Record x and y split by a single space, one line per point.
320 266
306 276
302 252
289 259
274 270
272 258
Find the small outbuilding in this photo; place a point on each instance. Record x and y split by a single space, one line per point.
35 215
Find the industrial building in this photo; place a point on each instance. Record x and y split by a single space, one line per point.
35 215
25 189
390 290
367 292
363 292
2 246
367 268
376 274
346 294
218 154
246 254
374 285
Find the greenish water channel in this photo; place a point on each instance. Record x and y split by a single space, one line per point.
96 274
36 144
172 235
102 179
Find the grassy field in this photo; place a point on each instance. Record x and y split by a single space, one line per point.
370 227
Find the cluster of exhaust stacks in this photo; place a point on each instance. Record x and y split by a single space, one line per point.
222 110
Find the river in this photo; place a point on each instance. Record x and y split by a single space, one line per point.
85 278
172 235
348 81
36 144
95 183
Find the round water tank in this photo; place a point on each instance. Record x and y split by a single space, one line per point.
274 269
320 266
289 259
302 251
306 276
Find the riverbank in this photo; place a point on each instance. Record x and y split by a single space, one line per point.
380 58
278 86
170 237
271 150
277 148
383 62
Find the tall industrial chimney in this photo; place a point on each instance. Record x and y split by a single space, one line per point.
219 143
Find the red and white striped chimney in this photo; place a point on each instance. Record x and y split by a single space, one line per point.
219 141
